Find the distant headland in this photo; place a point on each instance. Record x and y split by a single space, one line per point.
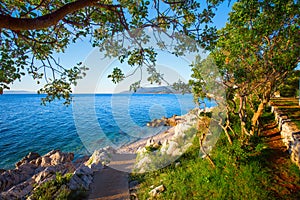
18 92
154 90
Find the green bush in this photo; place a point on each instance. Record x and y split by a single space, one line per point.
238 174
53 189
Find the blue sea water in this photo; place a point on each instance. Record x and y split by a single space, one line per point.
91 122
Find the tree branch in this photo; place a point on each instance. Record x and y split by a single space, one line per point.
50 19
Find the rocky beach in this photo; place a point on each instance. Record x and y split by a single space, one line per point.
35 170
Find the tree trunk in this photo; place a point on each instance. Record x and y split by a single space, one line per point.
203 128
226 127
242 115
201 140
256 116
260 109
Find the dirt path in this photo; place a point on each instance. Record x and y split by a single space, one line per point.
111 183
285 185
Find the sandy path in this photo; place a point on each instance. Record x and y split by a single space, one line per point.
111 183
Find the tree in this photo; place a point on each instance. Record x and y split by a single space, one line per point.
290 86
255 52
32 30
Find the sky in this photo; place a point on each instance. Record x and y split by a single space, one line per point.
96 81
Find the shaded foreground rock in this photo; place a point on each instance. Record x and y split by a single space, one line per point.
34 170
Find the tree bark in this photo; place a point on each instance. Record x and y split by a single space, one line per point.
256 116
260 109
242 115
50 19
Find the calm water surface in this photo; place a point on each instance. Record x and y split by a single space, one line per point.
91 122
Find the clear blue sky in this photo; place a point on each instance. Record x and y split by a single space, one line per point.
96 80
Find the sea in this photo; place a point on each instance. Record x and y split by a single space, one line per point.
92 121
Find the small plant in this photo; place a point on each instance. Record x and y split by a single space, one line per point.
53 189
152 148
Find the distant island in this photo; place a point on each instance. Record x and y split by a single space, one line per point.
18 92
155 90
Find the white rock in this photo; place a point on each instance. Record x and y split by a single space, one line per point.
157 190
173 146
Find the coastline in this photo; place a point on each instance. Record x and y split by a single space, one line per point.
34 169
133 147
161 137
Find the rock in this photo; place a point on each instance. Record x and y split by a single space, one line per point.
172 121
45 161
18 192
177 164
295 154
79 181
156 145
83 170
13 177
143 164
180 130
172 149
33 170
290 134
133 185
80 161
100 157
75 183
31 156
164 147
156 191
46 173
150 142
59 157
141 150
133 195
157 122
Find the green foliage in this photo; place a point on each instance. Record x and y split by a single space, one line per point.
254 53
239 174
206 81
53 189
116 75
290 87
181 87
33 31
152 148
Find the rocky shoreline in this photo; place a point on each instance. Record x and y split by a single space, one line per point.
34 170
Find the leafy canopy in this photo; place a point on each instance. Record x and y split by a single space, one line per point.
254 53
33 30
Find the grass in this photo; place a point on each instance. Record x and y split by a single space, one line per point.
243 171
239 174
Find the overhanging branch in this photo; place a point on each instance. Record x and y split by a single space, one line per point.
50 19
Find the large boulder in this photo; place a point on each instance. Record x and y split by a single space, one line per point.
82 178
100 158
